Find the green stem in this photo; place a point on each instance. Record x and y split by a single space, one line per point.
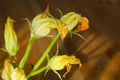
37 72
25 57
46 52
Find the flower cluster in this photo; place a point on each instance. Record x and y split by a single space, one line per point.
41 26
43 23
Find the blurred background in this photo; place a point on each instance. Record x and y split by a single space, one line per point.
99 53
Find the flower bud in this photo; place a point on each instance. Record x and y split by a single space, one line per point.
42 24
73 19
42 27
11 44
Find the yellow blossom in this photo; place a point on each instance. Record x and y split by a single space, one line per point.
7 71
18 74
11 73
73 19
61 61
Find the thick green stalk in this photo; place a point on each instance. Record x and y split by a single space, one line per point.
37 72
25 57
46 52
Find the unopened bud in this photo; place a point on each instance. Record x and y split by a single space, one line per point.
42 27
11 43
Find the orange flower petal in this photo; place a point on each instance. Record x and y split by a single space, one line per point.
64 32
83 26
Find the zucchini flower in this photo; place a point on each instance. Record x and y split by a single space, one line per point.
42 27
7 71
11 73
73 19
42 24
18 74
62 61
11 43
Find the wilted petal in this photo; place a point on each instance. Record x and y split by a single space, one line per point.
83 24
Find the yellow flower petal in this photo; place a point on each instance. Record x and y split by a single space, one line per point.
7 71
62 61
18 74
